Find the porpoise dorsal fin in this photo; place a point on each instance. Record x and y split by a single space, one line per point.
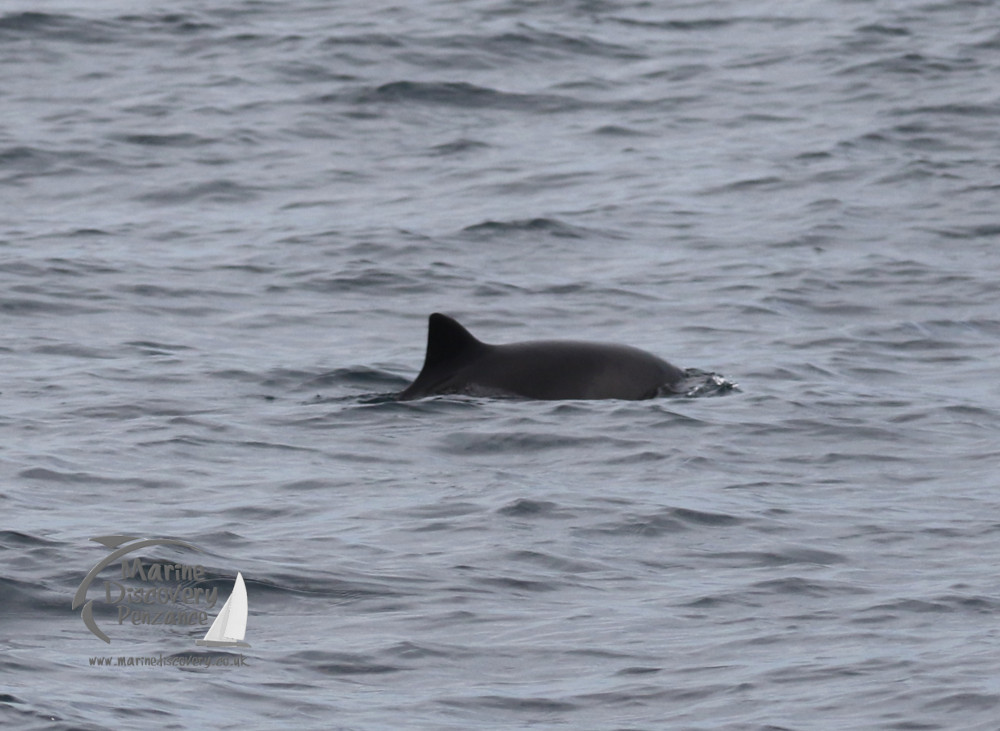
447 341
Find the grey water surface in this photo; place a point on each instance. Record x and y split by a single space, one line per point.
223 226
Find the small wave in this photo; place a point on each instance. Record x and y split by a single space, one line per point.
957 603
883 30
462 94
10 539
23 162
31 25
531 44
617 130
216 191
524 507
147 347
180 139
700 384
17 598
365 280
908 64
27 306
355 378
413 651
23 157
663 522
768 184
959 703
458 147
516 586
697 24
73 350
990 230
307 72
548 226
516 442
699 517
785 557
338 663
512 703
374 40
173 23
798 586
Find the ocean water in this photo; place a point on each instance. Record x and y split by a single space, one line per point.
223 226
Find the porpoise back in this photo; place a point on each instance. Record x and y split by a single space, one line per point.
457 363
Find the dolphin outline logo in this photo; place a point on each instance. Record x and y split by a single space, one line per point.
114 542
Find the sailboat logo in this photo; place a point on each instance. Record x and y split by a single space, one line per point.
230 626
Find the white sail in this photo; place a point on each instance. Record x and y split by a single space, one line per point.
230 626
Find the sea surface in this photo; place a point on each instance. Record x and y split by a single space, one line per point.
223 226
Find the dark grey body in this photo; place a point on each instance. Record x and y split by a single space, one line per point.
457 362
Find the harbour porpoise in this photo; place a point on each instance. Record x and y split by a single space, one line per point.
458 363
